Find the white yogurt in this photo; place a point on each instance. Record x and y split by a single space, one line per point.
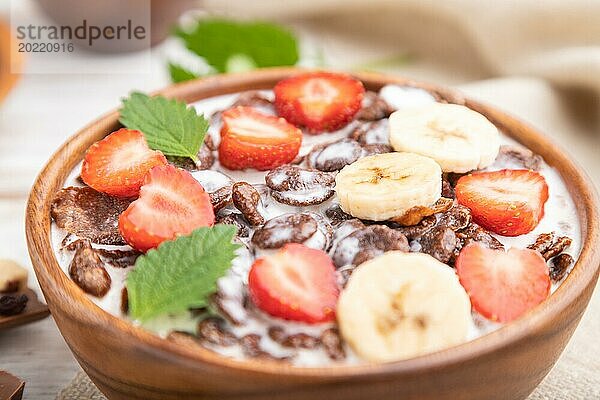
560 216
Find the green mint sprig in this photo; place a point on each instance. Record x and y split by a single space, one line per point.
168 125
231 46
181 273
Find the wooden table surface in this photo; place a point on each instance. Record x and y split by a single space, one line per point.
44 110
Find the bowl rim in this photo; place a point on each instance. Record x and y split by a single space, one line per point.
62 292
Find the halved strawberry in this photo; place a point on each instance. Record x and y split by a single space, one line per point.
117 164
296 283
251 139
503 285
508 202
171 203
320 101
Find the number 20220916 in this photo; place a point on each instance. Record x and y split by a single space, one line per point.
45 47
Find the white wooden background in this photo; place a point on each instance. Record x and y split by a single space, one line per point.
45 109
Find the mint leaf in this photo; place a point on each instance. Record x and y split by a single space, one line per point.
239 63
181 74
168 125
180 274
217 40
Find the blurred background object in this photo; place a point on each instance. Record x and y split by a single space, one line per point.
7 78
539 60
164 15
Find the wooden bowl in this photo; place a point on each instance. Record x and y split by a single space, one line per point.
127 362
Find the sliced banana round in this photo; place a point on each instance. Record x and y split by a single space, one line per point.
458 138
384 186
401 305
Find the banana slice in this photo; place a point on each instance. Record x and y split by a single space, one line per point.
458 138
385 186
401 305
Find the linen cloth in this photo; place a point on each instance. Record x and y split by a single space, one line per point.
556 40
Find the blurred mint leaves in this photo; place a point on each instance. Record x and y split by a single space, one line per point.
231 46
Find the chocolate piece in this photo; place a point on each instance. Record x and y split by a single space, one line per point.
372 133
298 160
251 348
376 148
211 330
520 156
286 228
447 189
548 245
88 272
416 231
298 340
559 266
11 387
76 245
543 242
35 310
334 156
12 304
252 99
416 214
452 177
218 302
124 301
246 99
296 186
325 228
251 345
332 342
440 243
119 258
277 334
367 243
237 220
89 214
209 143
374 108
337 215
246 199
220 198
559 245
456 218
475 233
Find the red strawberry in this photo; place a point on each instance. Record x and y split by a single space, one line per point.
503 285
117 164
320 101
296 283
171 203
509 202
251 139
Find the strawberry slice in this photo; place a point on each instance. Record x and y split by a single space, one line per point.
251 139
320 101
296 283
508 202
117 164
171 203
503 285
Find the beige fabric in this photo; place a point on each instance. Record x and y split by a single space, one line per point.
554 39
